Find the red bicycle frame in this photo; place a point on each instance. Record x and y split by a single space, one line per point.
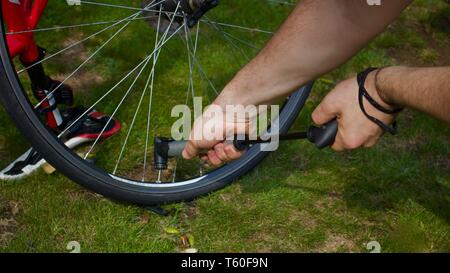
21 17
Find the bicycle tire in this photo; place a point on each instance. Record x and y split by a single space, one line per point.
86 174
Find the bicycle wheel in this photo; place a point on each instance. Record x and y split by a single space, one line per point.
101 63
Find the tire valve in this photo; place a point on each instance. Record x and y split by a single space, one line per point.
159 176
161 156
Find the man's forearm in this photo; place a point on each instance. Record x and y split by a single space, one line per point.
317 37
423 89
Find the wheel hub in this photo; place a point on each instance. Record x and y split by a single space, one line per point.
190 10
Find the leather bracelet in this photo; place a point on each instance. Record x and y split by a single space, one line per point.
361 79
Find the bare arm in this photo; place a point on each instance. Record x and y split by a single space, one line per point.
317 37
423 89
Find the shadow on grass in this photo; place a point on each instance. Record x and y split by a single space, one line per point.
377 180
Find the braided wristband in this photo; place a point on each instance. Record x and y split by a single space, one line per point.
361 78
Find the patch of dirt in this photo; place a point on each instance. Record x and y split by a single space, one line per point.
412 144
335 243
190 212
402 56
9 211
323 204
300 162
83 80
83 194
438 54
136 173
2 151
439 162
144 218
262 241
183 172
75 52
335 195
228 197
303 218
150 173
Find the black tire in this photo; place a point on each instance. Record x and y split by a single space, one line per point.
87 175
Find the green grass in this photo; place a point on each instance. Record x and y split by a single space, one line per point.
299 200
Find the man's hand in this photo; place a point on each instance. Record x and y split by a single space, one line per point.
208 139
355 129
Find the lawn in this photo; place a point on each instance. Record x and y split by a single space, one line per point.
298 200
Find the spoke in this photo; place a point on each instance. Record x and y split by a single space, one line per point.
89 58
189 45
191 82
240 40
117 108
229 41
190 88
149 80
79 25
151 5
240 27
150 102
133 16
207 81
282 2
202 73
126 95
132 123
174 176
204 76
109 5
77 43
104 96
83 63
175 14
116 85
195 51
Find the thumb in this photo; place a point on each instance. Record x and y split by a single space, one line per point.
190 151
324 112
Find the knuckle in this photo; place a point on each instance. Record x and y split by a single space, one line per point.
217 149
372 142
221 153
337 148
318 113
230 150
315 116
369 145
353 142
